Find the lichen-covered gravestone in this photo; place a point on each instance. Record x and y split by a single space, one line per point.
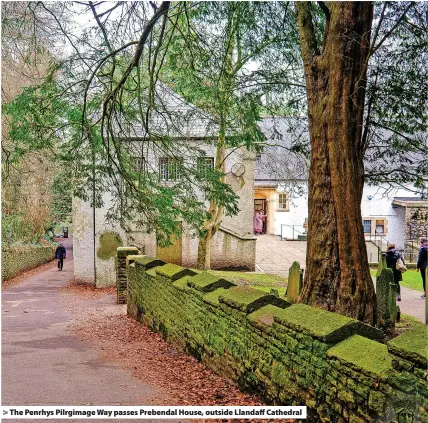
386 292
295 282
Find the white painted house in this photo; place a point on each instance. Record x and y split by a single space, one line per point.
280 190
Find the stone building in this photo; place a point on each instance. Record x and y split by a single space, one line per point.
95 239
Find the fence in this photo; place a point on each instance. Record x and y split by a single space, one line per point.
293 232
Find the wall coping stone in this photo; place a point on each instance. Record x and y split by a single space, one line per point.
126 251
324 325
181 283
206 282
363 354
149 262
131 258
263 317
212 297
412 345
174 271
236 235
249 299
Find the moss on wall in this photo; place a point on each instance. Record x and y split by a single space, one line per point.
16 260
109 243
292 356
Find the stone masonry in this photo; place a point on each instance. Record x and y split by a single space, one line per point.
289 354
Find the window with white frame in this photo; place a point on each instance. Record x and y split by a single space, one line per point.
170 168
282 201
204 164
367 225
380 226
374 225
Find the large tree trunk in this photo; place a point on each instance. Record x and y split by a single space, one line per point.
337 273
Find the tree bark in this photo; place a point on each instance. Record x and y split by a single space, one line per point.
337 274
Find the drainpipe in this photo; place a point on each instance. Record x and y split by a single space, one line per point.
93 212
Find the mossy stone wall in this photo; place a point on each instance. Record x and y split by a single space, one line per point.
289 354
16 260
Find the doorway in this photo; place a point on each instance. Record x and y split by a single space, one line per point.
172 253
261 204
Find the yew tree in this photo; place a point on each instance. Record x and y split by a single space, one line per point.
337 46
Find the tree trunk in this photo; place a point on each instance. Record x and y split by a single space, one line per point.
204 251
215 212
337 274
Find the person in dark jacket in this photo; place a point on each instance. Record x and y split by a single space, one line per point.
422 263
60 254
392 256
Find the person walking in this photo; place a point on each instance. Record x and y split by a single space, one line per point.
60 254
422 262
392 256
258 222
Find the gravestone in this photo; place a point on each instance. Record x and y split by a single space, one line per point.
295 282
386 292
382 265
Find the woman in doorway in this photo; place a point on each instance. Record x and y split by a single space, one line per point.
258 222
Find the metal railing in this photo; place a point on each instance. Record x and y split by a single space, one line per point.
297 232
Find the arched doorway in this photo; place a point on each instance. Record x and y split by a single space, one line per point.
264 199
261 204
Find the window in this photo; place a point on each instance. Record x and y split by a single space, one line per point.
380 226
367 225
138 164
282 201
170 168
205 163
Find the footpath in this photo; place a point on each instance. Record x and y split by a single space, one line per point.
67 345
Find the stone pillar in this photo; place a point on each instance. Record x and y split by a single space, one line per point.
295 282
121 271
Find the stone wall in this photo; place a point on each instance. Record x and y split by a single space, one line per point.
416 223
289 354
16 260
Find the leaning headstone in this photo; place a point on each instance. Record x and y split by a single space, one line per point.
382 265
295 282
385 288
121 272
392 301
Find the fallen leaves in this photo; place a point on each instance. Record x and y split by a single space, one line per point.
180 378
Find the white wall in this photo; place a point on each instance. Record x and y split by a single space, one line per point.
380 205
296 215
83 243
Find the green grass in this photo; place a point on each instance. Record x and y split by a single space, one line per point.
262 281
408 322
411 279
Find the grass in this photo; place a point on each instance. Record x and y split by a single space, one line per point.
408 322
411 279
262 281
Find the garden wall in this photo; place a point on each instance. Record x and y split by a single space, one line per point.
288 354
16 260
